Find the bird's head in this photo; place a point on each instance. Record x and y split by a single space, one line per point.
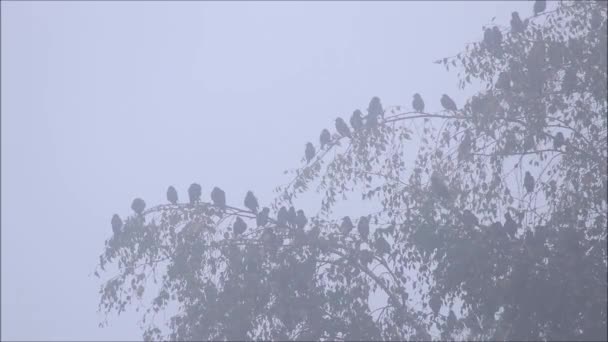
515 15
416 96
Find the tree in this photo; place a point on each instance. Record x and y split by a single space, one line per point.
437 247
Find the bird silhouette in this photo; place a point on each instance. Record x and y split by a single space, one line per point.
559 140
363 227
382 246
448 103
510 226
375 107
251 202
517 26
116 224
239 226
496 37
346 226
356 120
172 195
528 182
539 6
418 103
464 149
324 138
438 185
309 152
292 216
488 38
469 219
342 128
194 193
282 216
301 219
218 196
261 218
138 205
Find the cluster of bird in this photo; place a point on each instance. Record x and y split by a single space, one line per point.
375 111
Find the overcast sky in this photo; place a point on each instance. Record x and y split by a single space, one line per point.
106 101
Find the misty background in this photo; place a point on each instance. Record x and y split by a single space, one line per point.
103 102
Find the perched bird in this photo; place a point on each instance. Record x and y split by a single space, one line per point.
559 140
528 182
464 149
325 138
346 226
469 219
418 103
510 226
116 224
448 103
194 193
375 107
292 216
517 26
363 227
239 226
309 152
138 206
282 216
251 202
438 186
218 196
172 195
539 6
261 218
342 128
488 38
301 219
356 120
382 245
496 37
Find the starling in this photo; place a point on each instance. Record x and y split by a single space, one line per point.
559 140
529 182
309 152
172 195
418 103
539 6
496 37
382 245
448 103
346 226
138 205
510 226
218 196
282 217
342 128
469 219
438 186
239 226
292 216
251 202
194 193
261 218
363 227
356 120
517 26
375 107
301 219
325 138
488 38
116 224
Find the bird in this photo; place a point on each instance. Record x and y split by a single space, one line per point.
324 138
346 226
418 103
382 245
138 205
194 193
559 140
438 186
517 26
218 196
488 38
363 227
172 195
342 128
239 226
261 218
292 216
539 6
510 226
496 37
464 149
301 219
282 216
116 224
309 152
448 103
356 120
251 202
529 182
469 219
375 107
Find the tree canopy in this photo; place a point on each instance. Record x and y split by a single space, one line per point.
494 229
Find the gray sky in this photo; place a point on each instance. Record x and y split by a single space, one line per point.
105 101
